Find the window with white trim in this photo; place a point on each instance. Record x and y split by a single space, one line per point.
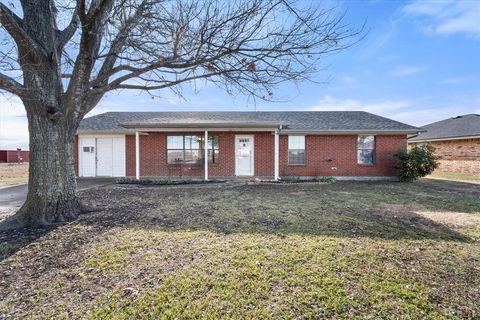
190 149
296 150
366 149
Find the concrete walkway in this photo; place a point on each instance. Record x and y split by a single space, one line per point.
11 197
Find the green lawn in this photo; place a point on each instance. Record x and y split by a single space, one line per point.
344 250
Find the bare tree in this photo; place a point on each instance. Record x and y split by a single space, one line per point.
66 55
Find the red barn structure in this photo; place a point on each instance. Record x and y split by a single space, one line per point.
12 156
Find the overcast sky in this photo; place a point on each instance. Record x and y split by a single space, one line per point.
418 64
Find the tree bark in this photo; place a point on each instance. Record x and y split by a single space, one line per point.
51 196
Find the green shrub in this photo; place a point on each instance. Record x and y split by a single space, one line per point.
415 163
327 179
317 179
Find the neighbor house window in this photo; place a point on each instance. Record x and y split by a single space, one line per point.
190 149
296 149
366 149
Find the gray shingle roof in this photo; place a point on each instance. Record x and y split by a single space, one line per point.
329 121
462 126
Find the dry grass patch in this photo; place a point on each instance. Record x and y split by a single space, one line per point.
454 176
452 219
13 174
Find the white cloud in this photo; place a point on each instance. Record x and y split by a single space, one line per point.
349 79
431 8
379 107
399 110
405 71
447 17
455 80
379 38
13 124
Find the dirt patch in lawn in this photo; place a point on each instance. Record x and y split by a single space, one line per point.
13 174
452 219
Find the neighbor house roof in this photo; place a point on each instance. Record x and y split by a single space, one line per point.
288 121
453 128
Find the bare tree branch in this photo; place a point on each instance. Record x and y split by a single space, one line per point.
66 34
246 47
12 86
14 26
92 25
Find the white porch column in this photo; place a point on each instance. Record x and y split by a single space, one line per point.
277 155
206 154
137 155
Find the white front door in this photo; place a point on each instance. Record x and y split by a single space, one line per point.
104 157
244 155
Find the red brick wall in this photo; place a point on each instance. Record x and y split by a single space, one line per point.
264 152
461 156
337 156
342 150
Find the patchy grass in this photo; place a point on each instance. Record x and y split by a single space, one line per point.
466 177
7 249
13 174
344 250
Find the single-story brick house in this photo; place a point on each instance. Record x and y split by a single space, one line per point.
260 144
456 142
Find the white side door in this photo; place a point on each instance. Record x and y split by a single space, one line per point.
118 144
104 157
244 155
86 159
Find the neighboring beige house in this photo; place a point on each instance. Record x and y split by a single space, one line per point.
456 142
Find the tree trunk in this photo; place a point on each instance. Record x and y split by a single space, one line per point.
51 194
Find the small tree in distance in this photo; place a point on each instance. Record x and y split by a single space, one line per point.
61 57
415 163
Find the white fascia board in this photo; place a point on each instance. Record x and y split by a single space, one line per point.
103 133
351 132
445 139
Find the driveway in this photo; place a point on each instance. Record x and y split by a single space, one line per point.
11 197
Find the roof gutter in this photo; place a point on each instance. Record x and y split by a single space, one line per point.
105 132
347 132
443 139
249 129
